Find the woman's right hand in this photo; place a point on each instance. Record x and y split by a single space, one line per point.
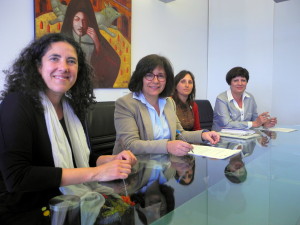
261 119
178 147
113 170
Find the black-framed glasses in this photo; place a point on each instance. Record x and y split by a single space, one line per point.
150 77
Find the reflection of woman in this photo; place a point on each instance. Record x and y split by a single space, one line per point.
184 96
152 196
146 120
43 146
155 202
185 169
236 171
236 108
80 23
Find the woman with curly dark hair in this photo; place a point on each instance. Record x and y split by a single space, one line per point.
43 145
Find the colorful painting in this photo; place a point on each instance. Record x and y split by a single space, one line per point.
101 27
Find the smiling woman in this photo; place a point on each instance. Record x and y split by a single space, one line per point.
237 108
43 146
146 120
59 68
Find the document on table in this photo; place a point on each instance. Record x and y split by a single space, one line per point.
238 133
281 129
213 152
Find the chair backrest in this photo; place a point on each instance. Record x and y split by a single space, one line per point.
205 114
101 127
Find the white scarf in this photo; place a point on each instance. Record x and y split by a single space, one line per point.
62 155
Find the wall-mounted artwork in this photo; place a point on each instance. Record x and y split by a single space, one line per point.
103 29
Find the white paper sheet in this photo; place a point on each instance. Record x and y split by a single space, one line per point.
213 152
281 129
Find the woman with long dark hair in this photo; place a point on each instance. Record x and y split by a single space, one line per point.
184 97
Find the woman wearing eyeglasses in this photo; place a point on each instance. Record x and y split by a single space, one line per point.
146 120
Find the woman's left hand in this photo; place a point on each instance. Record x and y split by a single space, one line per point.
127 155
211 136
270 122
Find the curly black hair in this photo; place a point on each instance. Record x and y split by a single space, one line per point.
148 64
191 96
24 77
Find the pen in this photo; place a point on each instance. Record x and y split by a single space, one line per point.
182 138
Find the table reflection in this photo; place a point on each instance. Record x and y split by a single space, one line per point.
158 183
161 185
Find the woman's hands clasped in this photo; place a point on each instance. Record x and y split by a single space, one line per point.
115 166
265 120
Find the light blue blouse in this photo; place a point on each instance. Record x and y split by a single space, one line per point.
160 125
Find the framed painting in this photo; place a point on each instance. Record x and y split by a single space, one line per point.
102 28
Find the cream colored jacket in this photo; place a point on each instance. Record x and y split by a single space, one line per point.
134 128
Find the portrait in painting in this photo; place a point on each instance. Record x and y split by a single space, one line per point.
102 28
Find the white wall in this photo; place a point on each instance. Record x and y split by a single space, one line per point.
241 34
286 77
17 31
263 37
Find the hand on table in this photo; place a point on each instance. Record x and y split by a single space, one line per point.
211 136
127 155
178 147
112 170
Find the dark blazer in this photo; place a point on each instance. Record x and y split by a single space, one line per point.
26 161
29 178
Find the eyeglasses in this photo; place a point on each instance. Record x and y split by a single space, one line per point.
150 77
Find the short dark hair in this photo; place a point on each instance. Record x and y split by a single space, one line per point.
177 78
25 78
148 64
233 177
237 72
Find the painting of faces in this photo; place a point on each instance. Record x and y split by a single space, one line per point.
101 28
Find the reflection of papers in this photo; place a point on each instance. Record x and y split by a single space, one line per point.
238 136
238 131
281 129
213 152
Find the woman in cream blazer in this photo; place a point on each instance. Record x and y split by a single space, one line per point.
146 120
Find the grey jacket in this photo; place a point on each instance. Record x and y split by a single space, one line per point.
226 115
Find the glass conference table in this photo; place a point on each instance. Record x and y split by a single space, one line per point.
257 187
